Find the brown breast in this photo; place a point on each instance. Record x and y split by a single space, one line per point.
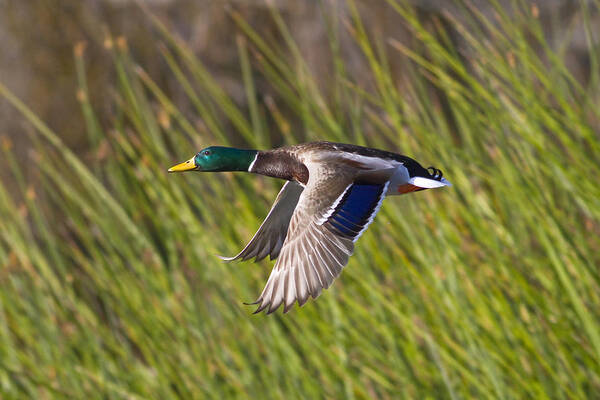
280 164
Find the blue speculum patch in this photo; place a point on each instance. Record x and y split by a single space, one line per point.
355 208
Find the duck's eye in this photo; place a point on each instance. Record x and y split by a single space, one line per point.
207 152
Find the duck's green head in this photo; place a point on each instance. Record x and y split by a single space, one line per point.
217 158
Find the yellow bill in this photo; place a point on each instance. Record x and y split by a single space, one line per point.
184 166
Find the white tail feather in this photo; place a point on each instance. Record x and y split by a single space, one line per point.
428 183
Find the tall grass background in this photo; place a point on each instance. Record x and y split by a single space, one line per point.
109 283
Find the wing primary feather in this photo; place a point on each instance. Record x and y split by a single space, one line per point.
268 290
331 249
320 255
318 270
277 248
302 287
337 246
265 249
329 275
312 256
277 296
310 274
290 295
261 307
328 254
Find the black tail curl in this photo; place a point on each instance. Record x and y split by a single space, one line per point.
435 173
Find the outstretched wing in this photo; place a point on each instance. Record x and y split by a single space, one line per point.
330 216
269 238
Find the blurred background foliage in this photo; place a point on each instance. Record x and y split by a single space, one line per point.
37 39
109 284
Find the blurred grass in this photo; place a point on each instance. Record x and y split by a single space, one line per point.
109 284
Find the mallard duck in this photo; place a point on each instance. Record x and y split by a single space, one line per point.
333 192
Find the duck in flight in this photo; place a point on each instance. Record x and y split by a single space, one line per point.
333 192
